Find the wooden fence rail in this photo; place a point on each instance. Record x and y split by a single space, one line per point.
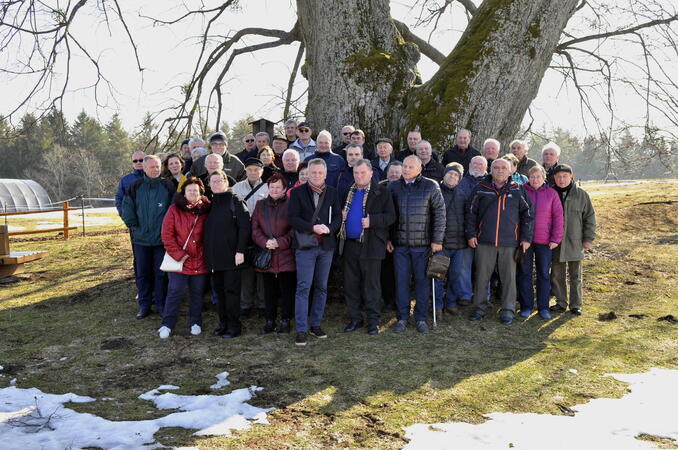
65 228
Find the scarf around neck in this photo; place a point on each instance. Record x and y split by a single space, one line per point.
347 207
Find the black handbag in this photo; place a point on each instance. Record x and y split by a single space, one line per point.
306 241
437 266
262 256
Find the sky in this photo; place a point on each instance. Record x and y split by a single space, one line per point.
256 81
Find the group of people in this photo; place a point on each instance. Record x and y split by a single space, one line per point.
364 215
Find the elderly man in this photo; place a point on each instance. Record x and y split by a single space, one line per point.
304 144
394 171
432 168
213 163
459 286
491 148
420 225
249 149
550 155
354 152
519 149
578 234
334 163
462 152
413 138
290 131
384 157
251 190
499 218
279 146
290 163
314 213
346 131
232 165
196 142
477 172
367 214
126 181
143 210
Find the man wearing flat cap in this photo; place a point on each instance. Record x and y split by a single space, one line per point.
578 233
232 165
384 157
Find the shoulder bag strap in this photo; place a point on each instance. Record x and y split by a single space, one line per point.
317 208
191 232
247 197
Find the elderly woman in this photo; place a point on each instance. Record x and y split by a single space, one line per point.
182 230
227 232
271 230
515 175
267 157
548 232
173 170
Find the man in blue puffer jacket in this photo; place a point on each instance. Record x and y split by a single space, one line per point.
143 210
500 217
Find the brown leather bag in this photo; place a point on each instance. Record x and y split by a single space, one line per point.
437 266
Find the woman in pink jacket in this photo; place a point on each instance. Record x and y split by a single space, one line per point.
548 232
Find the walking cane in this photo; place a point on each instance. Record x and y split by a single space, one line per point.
433 286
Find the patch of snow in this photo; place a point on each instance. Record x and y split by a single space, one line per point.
30 418
12 382
1 368
106 399
221 381
649 408
63 358
15 228
574 371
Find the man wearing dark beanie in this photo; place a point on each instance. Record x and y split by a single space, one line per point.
578 234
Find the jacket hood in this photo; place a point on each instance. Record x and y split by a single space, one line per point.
202 207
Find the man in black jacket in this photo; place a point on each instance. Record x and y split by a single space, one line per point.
367 214
313 258
419 226
462 152
432 168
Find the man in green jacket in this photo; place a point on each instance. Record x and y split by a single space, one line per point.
578 234
143 210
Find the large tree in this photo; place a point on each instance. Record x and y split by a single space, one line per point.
361 64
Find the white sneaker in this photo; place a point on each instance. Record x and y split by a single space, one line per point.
196 330
164 332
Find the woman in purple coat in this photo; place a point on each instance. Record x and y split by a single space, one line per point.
548 232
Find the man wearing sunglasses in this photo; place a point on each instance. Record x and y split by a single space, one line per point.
249 148
345 139
127 180
304 144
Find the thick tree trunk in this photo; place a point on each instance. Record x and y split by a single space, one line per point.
489 80
358 68
361 71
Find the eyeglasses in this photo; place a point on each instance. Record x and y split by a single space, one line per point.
217 181
347 133
249 140
137 161
304 130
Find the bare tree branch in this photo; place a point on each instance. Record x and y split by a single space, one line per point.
290 84
424 47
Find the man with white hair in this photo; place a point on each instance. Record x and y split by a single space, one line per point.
345 139
550 155
519 149
476 173
490 150
290 163
213 163
431 168
335 164
249 149
462 152
500 217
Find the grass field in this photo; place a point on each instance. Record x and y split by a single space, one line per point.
350 390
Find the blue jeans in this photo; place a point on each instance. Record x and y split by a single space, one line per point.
541 254
313 267
151 281
458 278
175 291
408 262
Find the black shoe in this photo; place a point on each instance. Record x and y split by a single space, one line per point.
301 339
318 332
230 335
575 311
245 313
219 331
452 310
143 312
269 327
373 330
284 326
557 308
353 325
476 315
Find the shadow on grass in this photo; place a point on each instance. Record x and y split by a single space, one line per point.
110 354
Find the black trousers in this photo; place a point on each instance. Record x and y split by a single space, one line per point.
361 282
227 287
279 289
388 285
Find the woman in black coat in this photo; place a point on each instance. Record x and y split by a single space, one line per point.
226 235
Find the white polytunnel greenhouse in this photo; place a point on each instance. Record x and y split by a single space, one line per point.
22 195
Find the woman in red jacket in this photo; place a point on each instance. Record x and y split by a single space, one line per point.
182 231
270 229
548 232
